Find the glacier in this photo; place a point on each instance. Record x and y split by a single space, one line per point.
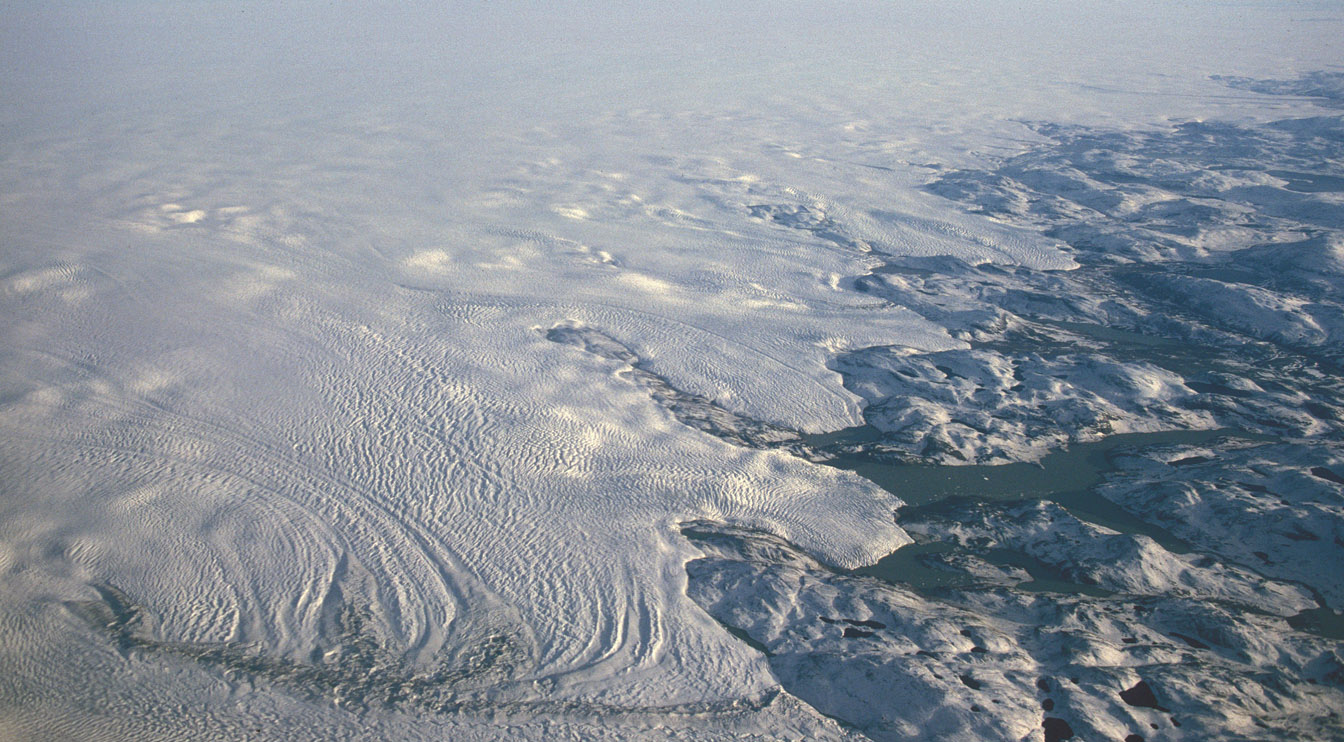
430 371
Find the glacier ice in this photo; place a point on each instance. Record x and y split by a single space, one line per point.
449 372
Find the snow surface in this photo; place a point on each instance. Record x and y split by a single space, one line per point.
290 450
993 663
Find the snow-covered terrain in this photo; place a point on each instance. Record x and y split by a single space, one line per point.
985 661
437 371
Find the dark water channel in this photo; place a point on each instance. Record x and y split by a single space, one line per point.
1067 478
1064 477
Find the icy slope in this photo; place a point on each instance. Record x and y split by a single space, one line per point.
253 452
990 662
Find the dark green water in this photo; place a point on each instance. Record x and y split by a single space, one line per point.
1065 477
1320 621
906 567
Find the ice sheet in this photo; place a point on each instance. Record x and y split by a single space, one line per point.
284 442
